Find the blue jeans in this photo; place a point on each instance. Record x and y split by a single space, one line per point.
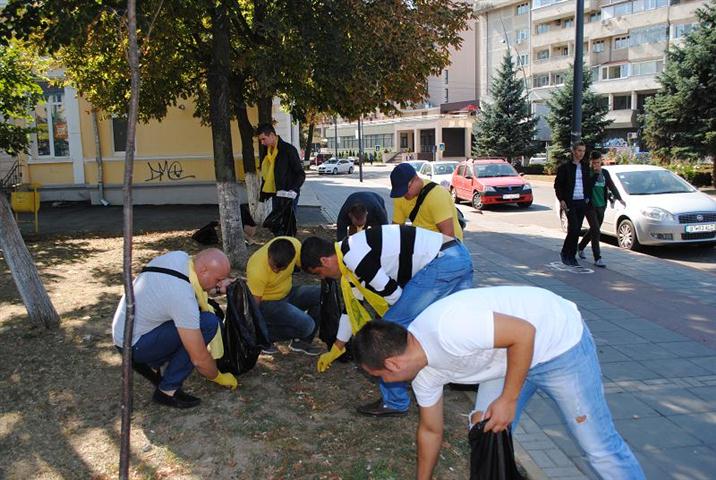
449 272
294 316
574 381
163 344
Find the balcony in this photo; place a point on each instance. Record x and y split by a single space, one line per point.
557 35
622 118
559 10
553 63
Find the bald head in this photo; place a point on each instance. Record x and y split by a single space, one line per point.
211 266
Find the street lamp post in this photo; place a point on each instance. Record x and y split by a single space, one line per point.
360 149
576 134
335 134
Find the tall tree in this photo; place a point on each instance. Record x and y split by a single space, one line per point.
680 121
506 126
559 118
19 93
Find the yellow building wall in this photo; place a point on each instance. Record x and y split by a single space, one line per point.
176 149
49 173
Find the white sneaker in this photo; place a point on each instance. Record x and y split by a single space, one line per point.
600 263
581 254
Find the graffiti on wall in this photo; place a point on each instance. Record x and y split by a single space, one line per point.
166 170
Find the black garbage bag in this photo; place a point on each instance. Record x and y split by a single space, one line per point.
206 235
492 455
282 219
330 315
243 330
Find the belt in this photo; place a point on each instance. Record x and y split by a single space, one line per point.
448 244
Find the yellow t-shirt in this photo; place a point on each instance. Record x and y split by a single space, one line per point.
437 207
262 281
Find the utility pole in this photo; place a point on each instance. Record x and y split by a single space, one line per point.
335 135
360 149
578 73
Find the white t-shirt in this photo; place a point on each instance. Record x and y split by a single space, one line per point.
159 298
457 335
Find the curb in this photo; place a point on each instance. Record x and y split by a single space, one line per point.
534 472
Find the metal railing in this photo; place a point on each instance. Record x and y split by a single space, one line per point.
12 178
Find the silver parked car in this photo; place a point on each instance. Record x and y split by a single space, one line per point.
661 209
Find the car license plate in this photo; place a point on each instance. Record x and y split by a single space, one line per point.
706 227
511 196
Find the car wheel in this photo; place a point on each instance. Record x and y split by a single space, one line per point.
524 204
335 171
350 170
477 201
563 222
453 194
626 235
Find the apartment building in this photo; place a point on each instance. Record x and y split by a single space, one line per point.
624 46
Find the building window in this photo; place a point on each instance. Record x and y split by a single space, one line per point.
521 36
561 51
52 136
647 68
447 96
621 42
543 55
542 28
681 30
646 35
614 72
523 59
598 46
594 71
522 9
558 78
568 23
603 101
541 81
635 6
622 102
594 17
447 78
119 134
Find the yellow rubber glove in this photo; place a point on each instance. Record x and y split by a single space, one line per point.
226 380
325 360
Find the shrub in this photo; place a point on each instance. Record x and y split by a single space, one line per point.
534 169
696 175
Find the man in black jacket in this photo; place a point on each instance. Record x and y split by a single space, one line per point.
602 186
281 169
361 210
574 192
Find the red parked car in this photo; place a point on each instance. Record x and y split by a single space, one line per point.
489 181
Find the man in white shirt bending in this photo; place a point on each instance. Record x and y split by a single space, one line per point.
512 341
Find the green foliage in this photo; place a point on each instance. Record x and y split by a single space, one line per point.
19 93
696 175
559 118
680 121
505 127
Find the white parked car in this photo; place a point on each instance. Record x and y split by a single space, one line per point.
417 164
661 209
335 166
438 172
539 159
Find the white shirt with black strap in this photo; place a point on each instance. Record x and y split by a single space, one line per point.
385 259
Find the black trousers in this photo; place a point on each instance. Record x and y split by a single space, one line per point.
577 209
595 217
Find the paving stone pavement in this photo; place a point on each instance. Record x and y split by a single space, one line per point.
654 323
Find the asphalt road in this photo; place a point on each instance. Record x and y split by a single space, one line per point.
540 214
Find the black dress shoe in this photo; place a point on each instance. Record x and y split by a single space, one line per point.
377 409
178 400
147 372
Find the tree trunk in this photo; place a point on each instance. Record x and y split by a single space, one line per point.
246 130
713 170
309 144
265 107
23 270
232 233
128 214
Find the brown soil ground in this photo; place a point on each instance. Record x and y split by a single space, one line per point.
60 391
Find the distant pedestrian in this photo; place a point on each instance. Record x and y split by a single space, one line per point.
602 184
361 210
574 192
281 169
371 157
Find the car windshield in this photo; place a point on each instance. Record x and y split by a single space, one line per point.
332 160
495 170
653 182
444 168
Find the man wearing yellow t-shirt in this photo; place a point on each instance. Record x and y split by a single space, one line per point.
290 313
437 212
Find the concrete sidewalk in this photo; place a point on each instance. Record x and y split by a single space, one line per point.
655 327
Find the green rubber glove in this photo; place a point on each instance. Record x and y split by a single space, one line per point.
226 380
325 360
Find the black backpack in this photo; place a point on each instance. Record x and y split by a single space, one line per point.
421 198
243 331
